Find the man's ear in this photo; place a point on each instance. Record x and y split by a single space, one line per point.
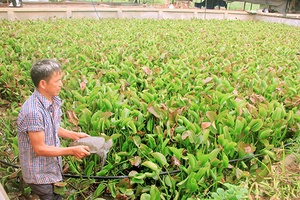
42 84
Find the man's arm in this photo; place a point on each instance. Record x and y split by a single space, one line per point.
41 149
71 134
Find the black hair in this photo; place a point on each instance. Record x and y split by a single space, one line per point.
43 70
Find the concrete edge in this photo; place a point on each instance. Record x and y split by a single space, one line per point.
98 12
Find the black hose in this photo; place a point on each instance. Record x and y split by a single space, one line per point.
9 164
121 177
93 177
114 177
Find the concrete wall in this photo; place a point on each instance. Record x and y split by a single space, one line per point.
139 13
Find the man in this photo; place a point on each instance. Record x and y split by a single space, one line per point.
39 131
15 3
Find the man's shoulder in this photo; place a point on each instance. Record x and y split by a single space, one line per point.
31 105
32 101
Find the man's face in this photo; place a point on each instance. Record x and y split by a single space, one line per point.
54 84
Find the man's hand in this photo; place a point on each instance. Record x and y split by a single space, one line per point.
41 149
71 134
80 151
78 135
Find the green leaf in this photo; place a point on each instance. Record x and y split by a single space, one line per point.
145 149
154 193
112 188
132 126
183 182
107 105
160 158
262 111
256 124
212 116
239 125
101 187
156 111
263 134
201 172
151 141
168 181
150 165
89 168
145 196
214 153
177 152
125 113
78 96
276 115
180 129
192 162
85 117
60 188
192 184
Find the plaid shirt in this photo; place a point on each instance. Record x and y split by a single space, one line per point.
37 114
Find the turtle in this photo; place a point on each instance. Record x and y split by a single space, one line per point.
97 145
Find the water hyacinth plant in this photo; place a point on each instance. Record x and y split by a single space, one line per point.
193 107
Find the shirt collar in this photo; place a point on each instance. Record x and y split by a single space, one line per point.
46 103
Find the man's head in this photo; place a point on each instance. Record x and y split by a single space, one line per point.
46 76
43 70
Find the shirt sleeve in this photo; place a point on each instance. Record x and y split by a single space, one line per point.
33 122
